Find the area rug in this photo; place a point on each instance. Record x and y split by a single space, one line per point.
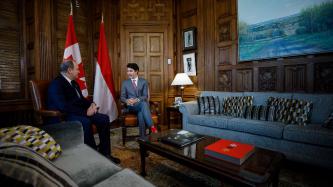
166 173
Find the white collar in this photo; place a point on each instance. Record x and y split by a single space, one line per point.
136 79
64 75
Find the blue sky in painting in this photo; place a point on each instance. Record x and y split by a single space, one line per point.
256 11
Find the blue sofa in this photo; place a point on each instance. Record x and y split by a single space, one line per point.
311 144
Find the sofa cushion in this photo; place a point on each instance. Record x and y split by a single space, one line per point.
258 127
282 108
220 95
125 178
32 137
233 106
300 112
260 98
85 165
312 134
21 166
208 105
217 121
322 105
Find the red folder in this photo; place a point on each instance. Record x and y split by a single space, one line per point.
230 151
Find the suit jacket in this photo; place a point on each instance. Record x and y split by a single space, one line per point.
62 96
128 91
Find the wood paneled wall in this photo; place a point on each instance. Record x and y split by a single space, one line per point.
217 64
33 37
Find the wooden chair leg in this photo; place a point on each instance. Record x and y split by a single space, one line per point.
124 130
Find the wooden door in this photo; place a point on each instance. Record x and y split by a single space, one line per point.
147 50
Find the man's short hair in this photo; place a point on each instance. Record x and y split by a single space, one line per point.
66 65
133 66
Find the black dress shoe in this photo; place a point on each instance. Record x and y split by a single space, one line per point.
114 159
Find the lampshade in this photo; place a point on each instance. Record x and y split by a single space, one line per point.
181 79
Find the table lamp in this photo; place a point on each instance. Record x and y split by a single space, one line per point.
181 79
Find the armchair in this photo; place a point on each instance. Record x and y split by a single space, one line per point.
38 90
129 119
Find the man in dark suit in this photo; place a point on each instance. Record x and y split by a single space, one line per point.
64 94
134 92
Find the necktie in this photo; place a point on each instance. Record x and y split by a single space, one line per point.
134 85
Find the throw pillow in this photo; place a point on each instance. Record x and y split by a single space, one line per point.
256 112
249 112
263 113
24 167
208 105
233 106
271 113
32 137
300 112
282 106
329 122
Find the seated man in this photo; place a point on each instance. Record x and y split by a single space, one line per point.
65 95
134 92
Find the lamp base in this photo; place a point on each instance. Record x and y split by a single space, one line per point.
182 92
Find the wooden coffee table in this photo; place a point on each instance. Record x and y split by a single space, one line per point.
261 169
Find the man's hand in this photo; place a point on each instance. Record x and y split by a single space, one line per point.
92 109
132 101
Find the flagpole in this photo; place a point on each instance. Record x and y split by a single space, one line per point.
71 13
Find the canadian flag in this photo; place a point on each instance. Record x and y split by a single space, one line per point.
72 52
104 93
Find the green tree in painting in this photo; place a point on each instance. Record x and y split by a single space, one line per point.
242 29
317 18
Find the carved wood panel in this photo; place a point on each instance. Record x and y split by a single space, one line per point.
224 55
223 7
155 60
224 80
244 80
295 78
324 77
267 79
224 30
146 11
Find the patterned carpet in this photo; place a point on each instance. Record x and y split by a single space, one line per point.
165 173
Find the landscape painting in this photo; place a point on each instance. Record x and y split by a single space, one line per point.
281 28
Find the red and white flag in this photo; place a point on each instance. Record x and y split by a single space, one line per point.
72 52
104 93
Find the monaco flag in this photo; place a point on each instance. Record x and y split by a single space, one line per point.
104 93
72 52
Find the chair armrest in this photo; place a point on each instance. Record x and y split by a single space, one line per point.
50 113
66 134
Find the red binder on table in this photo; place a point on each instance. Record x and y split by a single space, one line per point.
230 151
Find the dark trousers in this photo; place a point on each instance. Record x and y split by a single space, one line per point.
144 116
102 123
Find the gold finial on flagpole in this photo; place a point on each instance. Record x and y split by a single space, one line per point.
71 13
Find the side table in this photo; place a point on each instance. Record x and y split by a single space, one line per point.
177 113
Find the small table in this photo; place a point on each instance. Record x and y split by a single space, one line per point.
177 113
260 169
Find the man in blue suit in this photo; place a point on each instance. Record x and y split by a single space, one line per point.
64 94
134 92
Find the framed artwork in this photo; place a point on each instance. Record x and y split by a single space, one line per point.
189 38
282 28
189 64
178 100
